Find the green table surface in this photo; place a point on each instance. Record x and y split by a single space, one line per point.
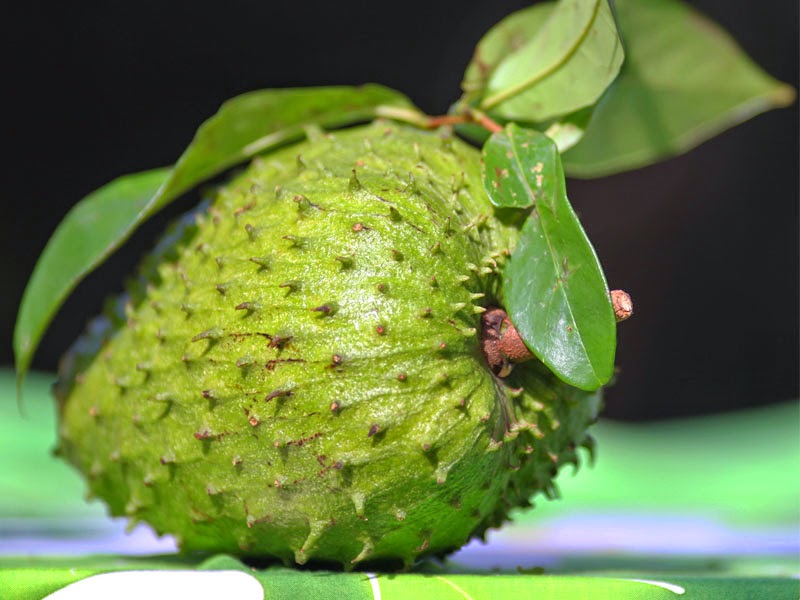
702 508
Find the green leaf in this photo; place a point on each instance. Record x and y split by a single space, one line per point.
257 121
475 134
567 65
555 291
87 235
684 81
505 38
565 131
569 129
101 222
519 168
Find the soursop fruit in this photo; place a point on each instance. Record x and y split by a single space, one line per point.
299 370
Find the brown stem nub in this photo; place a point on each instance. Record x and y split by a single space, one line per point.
511 345
622 303
502 345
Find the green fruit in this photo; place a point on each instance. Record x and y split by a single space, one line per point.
298 373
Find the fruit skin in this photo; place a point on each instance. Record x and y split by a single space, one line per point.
297 372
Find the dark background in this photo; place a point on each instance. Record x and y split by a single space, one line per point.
707 243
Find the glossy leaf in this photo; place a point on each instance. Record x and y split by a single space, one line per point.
684 81
572 58
555 291
519 168
101 222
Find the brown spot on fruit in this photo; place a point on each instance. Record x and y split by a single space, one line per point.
277 394
279 341
324 309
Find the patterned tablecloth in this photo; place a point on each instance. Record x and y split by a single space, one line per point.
706 508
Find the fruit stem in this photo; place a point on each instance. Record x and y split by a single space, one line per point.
434 122
469 115
406 115
482 119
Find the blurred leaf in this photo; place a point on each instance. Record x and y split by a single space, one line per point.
569 129
505 38
662 467
572 58
101 222
565 131
684 81
473 133
555 291
35 484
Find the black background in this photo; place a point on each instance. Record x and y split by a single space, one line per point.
707 243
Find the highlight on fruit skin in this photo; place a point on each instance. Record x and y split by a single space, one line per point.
298 370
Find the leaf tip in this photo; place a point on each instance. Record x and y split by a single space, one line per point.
785 95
